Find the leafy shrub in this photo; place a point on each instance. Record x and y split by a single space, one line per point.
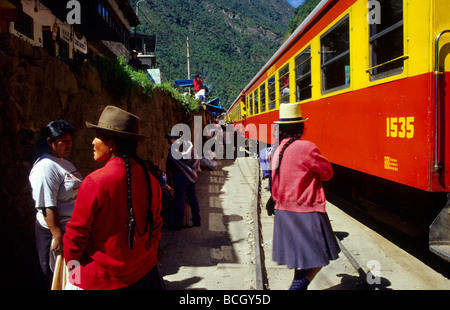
122 80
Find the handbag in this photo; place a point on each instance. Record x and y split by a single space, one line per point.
270 206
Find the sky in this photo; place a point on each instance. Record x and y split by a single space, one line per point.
295 3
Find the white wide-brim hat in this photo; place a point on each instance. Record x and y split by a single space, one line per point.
290 113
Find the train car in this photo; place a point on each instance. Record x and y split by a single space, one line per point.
373 78
236 112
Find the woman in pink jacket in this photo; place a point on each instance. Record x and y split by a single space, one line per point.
303 238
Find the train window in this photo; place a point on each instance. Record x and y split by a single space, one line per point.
271 87
247 108
256 101
250 104
262 93
284 84
335 56
303 75
386 41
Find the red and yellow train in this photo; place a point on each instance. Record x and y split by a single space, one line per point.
373 79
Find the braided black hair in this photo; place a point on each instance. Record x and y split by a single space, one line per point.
293 132
127 149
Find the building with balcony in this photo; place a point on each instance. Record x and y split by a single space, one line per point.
104 26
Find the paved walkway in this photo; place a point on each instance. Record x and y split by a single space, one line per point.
338 275
218 255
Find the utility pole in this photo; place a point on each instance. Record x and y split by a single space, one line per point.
135 28
188 59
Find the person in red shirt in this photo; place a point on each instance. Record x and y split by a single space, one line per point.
112 238
197 83
303 237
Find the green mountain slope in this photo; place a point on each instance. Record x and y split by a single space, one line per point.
300 14
230 40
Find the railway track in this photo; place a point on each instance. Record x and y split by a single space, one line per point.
232 248
261 274
367 260
262 281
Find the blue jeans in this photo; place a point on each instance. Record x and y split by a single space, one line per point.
184 189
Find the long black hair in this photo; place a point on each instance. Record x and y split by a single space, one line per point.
126 148
53 130
293 132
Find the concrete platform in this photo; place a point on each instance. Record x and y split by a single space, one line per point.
218 255
338 275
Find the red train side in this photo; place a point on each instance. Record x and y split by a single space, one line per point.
385 113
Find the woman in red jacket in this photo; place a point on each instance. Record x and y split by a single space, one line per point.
303 238
112 238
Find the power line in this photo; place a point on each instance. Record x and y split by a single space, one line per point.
151 24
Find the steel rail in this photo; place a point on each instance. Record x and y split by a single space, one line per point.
261 279
362 274
261 275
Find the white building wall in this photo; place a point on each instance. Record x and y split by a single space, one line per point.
42 16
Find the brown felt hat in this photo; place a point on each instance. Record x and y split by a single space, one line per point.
118 123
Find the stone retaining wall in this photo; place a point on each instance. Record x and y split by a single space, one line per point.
35 89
